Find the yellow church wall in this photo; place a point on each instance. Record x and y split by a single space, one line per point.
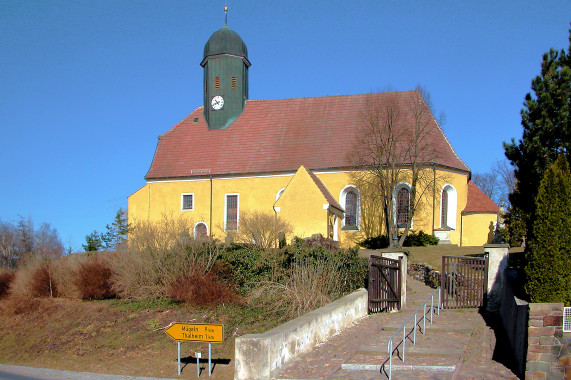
481 228
258 193
301 205
157 199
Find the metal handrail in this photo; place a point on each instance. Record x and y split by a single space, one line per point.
403 327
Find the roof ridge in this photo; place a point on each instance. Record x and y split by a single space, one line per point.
332 96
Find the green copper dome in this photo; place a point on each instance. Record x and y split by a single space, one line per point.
225 41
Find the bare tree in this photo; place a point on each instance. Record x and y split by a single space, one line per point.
487 182
498 183
8 248
395 147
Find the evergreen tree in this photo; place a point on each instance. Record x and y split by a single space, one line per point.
93 242
548 269
116 231
546 121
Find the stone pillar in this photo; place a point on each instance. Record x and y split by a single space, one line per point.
399 254
497 264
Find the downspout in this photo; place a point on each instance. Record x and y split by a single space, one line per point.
433 197
210 230
461 227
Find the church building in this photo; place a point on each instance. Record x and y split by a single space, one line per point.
297 159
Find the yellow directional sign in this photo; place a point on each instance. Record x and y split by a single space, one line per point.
196 332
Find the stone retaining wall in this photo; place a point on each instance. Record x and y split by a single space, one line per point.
549 348
425 274
260 356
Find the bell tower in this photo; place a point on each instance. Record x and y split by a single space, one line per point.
225 66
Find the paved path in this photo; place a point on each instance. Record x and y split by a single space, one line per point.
458 345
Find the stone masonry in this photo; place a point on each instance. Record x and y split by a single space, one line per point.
549 348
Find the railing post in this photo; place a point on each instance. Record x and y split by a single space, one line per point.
424 318
414 337
403 342
439 300
390 357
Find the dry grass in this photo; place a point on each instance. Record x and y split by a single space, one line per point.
308 284
157 255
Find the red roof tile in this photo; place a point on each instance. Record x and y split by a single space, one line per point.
321 186
478 201
279 135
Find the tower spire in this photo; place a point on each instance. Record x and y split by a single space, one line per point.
226 15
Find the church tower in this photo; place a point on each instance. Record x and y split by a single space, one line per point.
225 66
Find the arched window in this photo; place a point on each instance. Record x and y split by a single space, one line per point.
350 200
200 231
448 206
444 210
351 209
403 206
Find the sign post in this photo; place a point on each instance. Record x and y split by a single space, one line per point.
196 332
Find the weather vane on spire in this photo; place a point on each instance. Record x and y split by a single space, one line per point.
226 15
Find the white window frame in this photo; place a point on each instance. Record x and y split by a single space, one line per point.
452 206
342 199
226 211
182 202
399 186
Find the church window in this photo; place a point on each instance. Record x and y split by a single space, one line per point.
350 200
403 206
187 202
448 206
444 210
205 87
217 83
231 211
234 83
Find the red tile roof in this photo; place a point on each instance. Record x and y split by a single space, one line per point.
279 135
330 199
478 201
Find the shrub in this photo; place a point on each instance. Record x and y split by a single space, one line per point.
34 278
548 267
202 290
262 229
43 283
247 266
377 242
419 239
94 280
6 278
157 254
413 239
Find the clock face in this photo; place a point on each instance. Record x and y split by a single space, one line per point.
217 102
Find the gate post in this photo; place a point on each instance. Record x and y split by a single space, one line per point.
399 254
497 264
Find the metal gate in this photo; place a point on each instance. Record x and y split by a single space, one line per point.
464 281
384 284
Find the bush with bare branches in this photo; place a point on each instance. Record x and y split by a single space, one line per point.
6 278
262 229
94 279
157 254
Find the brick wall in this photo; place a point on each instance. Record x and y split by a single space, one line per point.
549 348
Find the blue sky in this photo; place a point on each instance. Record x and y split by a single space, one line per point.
86 87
